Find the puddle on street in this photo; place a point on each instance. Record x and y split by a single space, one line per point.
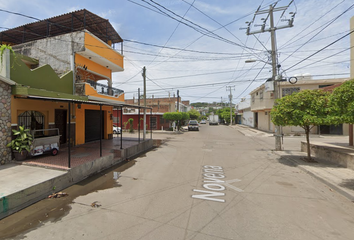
55 209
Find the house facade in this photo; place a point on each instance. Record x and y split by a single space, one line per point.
63 69
262 101
159 106
244 115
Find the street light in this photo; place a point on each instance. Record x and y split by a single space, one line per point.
256 60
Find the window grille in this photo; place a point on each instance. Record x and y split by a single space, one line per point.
31 120
289 91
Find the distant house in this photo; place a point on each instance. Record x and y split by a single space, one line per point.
262 101
159 106
244 115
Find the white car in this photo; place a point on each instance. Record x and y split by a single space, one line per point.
116 129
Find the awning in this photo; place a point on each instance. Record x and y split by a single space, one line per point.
108 102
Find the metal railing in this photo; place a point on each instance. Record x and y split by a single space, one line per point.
104 89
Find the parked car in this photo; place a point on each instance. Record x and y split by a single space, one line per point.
193 125
116 129
203 121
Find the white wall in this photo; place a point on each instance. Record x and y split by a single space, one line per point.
248 118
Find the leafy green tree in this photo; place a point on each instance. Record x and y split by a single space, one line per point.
224 114
342 103
200 104
172 116
307 108
131 127
193 114
342 106
185 116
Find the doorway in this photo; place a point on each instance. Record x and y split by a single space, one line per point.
60 123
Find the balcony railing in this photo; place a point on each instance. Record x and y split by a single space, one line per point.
104 89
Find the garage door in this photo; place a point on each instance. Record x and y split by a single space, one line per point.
92 125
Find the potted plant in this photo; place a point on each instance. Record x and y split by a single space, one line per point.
21 145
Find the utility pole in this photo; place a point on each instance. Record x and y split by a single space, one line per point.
230 97
178 108
139 113
177 100
144 77
278 134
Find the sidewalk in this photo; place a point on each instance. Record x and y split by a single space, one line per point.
337 178
24 183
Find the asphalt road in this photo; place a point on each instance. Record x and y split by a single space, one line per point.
211 184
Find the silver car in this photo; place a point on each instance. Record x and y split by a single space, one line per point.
193 125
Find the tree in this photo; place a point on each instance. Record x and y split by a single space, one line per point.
342 106
185 116
342 103
224 114
193 114
307 108
131 127
172 116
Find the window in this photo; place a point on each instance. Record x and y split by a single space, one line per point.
31 120
193 122
253 98
289 91
261 95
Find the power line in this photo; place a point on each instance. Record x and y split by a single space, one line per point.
320 50
172 33
198 28
308 27
179 49
331 22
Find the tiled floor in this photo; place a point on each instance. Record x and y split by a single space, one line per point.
79 154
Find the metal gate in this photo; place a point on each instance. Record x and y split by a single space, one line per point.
92 125
153 123
31 120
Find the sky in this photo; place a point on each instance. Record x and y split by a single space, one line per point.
199 47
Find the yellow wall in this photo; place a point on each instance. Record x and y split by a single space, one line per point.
92 66
47 108
80 120
90 91
103 50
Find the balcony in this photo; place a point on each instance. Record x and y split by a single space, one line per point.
104 89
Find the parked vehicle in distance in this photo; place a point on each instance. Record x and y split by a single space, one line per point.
203 121
213 120
193 125
116 129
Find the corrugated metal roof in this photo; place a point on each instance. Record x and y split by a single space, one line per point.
62 24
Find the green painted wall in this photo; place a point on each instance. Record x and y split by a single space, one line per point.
41 78
20 90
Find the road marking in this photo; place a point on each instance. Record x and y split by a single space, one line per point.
227 184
